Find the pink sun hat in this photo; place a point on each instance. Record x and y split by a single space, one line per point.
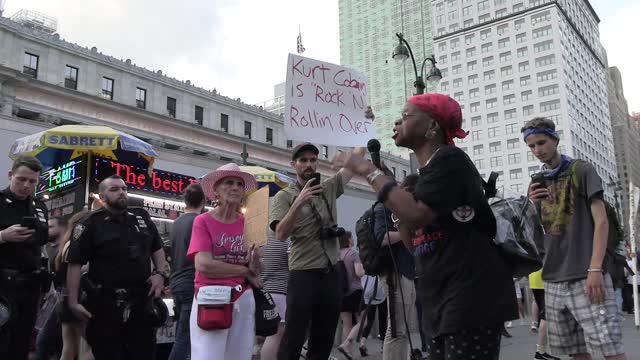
210 180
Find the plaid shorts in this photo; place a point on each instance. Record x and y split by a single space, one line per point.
575 326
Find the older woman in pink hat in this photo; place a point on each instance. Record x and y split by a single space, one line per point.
222 317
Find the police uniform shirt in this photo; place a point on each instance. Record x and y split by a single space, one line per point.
24 256
117 246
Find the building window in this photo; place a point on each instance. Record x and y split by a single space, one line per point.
289 144
523 51
479 163
471 65
512 143
527 110
171 107
543 46
523 66
476 120
489 75
270 135
467 10
199 115
533 170
515 174
519 188
504 57
511 128
491 103
526 95
247 129
30 65
478 150
107 88
475 107
496 161
514 158
507 85
325 154
493 131
492 118
141 98
472 79
510 114
550 105
488 61
471 51
71 77
525 80
546 75
503 43
483 5
495 147
224 123
473 93
520 38
505 71
548 90
509 99
476 134
490 89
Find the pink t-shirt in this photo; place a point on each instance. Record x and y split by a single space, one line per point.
223 241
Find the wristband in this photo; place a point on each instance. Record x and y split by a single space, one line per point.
383 194
372 176
595 270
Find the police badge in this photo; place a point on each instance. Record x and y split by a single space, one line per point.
77 231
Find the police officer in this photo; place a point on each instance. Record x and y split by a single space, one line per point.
117 242
23 225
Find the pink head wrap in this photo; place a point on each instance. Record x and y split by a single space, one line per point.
445 110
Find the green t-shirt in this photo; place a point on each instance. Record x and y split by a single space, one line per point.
308 251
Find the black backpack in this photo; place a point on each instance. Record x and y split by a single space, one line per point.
375 258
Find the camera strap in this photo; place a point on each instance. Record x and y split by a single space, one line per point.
315 211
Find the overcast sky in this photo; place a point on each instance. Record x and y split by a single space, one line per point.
240 47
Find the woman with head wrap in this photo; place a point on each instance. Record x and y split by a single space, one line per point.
465 287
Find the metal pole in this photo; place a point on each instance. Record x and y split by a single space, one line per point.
634 194
87 181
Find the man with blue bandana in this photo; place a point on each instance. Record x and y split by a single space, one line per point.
581 310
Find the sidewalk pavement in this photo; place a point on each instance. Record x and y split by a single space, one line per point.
521 346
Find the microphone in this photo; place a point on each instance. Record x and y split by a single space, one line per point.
373 146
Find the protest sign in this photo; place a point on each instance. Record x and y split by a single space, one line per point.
325 103
256 219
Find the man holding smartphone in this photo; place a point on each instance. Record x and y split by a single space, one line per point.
306 212
581 312
23 231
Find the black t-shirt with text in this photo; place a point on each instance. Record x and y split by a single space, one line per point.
463 282
118 247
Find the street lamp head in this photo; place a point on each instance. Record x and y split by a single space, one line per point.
434 75
400 53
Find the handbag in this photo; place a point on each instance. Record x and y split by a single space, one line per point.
215 306
267 317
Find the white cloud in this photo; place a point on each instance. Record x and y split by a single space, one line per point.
238 47
616 35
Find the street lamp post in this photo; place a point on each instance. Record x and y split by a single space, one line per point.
403 51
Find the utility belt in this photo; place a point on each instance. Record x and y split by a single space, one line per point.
12 277
124 298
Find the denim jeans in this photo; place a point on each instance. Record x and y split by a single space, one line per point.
182 346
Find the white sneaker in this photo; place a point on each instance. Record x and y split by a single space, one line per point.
509 324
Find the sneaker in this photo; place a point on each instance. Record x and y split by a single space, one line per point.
534 326
544 356
549 357
509 324
505 333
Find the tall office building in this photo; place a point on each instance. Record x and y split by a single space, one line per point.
367 40
626 141
507 61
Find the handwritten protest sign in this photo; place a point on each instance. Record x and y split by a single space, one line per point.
325 103
256 219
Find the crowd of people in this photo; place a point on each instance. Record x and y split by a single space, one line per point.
110 269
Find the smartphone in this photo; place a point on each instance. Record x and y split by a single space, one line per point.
28 222
318 177
539 179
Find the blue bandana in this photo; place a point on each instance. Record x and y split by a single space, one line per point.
546 131
552 173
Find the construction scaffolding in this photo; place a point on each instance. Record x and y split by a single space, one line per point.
36 20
